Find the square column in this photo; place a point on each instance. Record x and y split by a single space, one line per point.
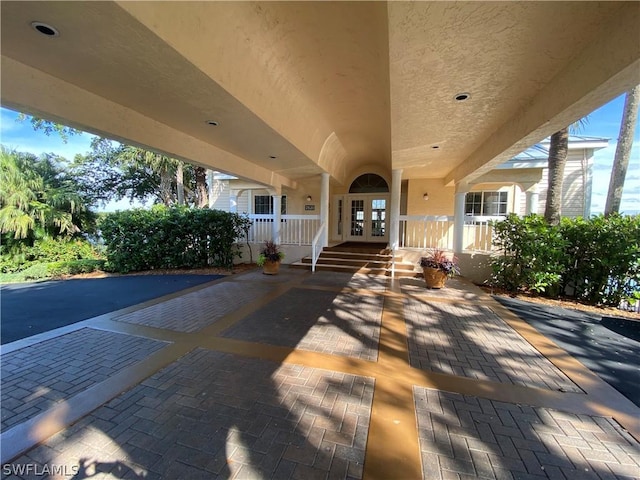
458 220
277 216
532 196
394 208
324 209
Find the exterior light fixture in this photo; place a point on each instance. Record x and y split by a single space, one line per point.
425 197
45 29
461 97
309 198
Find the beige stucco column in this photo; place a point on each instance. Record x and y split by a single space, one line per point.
458 217
324 209
532 196
394 208
275 232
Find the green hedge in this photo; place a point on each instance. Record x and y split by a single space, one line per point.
40 271
46 251
177 237
595 260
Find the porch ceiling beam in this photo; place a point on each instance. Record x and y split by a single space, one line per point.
608 67
33 91
516 175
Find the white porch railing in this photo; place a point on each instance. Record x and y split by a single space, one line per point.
417 231
294 229
478 233
425 232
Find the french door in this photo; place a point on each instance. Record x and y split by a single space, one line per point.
364 218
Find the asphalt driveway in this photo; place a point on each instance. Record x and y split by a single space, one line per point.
27 309
608 346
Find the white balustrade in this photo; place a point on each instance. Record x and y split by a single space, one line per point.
416 231
424 232
294 229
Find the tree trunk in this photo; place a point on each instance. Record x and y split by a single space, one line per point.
623 151
180 183
201 187
557 159
166 183
166 195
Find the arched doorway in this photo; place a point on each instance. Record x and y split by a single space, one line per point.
361 215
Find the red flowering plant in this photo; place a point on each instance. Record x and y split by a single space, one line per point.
438 259
270 251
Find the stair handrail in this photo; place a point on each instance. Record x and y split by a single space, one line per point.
394 247
314 246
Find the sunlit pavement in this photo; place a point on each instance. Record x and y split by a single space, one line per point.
302 375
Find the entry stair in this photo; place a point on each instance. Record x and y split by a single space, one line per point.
372 260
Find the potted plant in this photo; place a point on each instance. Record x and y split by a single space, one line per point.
437 267
270 258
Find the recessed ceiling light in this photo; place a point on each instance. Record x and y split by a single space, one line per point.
45 29
272 157
461 97
213 123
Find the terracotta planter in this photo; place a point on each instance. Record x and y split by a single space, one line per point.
434 278
271 267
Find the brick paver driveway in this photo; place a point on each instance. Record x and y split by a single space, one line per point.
311 376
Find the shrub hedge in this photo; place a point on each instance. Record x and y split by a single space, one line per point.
596 260
39 271
45 251
175 237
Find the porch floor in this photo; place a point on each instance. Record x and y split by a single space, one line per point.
300 375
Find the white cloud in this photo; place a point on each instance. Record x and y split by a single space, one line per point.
602 165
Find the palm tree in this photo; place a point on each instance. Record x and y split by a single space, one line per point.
558 149
34 201
180 182
126 171
161 170
202 192
623 151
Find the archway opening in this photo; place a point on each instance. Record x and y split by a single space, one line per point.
369 183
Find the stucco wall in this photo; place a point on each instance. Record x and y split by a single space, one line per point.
441 197
475 267
297 199
292 253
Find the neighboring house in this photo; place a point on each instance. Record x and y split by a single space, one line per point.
577 185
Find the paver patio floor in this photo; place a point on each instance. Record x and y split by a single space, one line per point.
308 376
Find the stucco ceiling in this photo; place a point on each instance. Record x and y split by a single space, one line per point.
342 87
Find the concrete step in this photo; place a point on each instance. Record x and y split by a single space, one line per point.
374 260
357 255
358 263
355 248
354 269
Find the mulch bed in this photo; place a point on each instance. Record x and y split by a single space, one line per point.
565 303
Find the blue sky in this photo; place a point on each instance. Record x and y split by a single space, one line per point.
603 122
